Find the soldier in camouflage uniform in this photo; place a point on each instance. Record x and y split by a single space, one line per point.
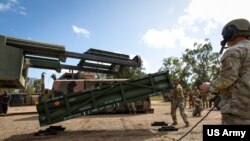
131 108
233 81
190 98
204 98
198 106
196 92
177 101
185 92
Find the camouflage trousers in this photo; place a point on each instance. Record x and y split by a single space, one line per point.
230 119
197 111
185 103
205 103
175 104
131 107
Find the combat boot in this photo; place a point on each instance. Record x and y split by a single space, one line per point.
174 123
187 124
199 114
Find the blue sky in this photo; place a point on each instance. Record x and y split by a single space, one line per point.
153 29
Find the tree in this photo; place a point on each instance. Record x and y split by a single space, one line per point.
177 69
202 62
124 72
195 66
130 72
33 85
9 90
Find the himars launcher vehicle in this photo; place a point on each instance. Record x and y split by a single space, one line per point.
17 55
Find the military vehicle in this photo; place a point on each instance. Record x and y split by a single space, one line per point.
68 103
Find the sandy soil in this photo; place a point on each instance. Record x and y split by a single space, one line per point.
122 127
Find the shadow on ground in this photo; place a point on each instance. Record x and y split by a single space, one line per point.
27 118
91 135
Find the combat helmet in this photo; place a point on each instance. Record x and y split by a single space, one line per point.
235 28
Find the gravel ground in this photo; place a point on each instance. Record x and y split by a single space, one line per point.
122 127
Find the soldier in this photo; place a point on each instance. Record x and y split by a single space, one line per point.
191 101
177 101
233 81
196 92
198 106
204 98
5 102
131 108
185 92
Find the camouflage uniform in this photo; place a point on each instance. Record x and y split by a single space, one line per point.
204 98
196 92
5 101
233 83
178 101
191 101
185 93
198 107
131 107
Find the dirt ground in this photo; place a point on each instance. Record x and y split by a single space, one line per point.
122 127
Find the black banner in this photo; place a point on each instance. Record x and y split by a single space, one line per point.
224 132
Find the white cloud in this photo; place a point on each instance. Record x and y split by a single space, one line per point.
81 31
23 13
201 16
159 39
13 1
13 5
4 6
167 38
213 13
209 27
219 11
